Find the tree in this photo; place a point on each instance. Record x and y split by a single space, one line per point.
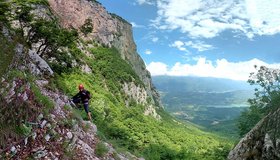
23 15
4 11
45 31
268 90
51 36
267 98
87 27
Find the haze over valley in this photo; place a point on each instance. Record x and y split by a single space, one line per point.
213 103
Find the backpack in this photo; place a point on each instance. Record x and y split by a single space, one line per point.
88 94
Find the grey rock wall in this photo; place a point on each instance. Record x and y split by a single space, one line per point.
262 142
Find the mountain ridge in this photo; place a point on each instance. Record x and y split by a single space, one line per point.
207 83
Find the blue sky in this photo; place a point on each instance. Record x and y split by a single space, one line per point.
205 38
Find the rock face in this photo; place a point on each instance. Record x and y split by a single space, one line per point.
140 96
137 93
108 29
262 142
42 64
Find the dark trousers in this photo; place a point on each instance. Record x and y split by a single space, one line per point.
77 101
86 107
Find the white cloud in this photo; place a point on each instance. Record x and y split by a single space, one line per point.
149 2
155 39
134 25
157 68
199 45
179 45
147 51
205 68
207 19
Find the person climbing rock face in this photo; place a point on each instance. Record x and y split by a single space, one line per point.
83 97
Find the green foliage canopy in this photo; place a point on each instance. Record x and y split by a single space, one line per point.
267 97
87 27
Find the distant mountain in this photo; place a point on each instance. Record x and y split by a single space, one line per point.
213 103
198 84
180 91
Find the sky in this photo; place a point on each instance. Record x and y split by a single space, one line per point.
205 38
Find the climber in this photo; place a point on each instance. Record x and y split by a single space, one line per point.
84 97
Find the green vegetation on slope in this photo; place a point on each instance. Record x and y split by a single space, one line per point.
6 52
221 121
128 127
16 115
13 129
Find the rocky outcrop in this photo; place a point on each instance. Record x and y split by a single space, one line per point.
150 110
140 95
108 29
43 67
137 93
262 142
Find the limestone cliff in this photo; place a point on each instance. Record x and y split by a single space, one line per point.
262 142
108 29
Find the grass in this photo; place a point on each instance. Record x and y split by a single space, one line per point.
86 127
12 121
101 150
6 53
23 129
44 101
67 122
15 115
68 154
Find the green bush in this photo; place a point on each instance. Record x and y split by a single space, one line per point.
23 130
101 150
160 152
6 52
5 11
113 68
87 27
